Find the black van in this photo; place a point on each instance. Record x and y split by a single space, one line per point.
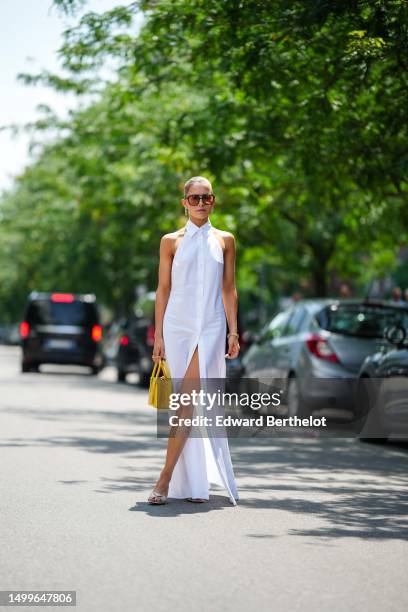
61 328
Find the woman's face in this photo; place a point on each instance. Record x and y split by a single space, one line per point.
200 210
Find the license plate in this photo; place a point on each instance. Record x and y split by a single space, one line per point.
59 344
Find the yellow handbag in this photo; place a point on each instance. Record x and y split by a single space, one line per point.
160 386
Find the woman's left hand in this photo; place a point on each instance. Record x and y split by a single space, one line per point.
233 348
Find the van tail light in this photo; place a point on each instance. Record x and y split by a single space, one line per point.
24 329
150 335
320 348
124 341
62 297
96 333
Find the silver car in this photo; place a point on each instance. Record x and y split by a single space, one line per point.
312 352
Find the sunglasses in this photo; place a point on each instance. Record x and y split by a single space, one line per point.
207 198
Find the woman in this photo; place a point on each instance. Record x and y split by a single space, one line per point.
196 294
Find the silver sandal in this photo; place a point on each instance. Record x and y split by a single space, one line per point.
155 495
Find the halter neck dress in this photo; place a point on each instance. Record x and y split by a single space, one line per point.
195 316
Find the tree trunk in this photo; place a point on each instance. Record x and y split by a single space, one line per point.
319 272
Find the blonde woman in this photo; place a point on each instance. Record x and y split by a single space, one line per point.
196 297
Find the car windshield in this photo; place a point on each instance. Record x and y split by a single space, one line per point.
61 313
362 321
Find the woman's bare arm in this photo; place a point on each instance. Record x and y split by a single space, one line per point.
162 292
230 295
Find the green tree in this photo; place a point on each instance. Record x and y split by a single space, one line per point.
295 110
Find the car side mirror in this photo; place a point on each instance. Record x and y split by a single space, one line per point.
395 334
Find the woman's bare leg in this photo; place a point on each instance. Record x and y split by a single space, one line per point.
179 433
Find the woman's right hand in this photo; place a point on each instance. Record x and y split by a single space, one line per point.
158 349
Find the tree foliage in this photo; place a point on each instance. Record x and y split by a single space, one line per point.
295 110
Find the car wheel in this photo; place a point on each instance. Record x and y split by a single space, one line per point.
29 367
376 426
295 402
121 376
144 380
232 385
362 399
367 410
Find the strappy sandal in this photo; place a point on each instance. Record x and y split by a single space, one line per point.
154 496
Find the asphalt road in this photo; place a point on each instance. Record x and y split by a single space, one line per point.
321 524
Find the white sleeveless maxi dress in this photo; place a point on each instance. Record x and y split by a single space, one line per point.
194 316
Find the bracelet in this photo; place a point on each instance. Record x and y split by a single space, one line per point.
233 334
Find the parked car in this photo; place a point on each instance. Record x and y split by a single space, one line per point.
382 396
134 348
305 348
130 341
61 328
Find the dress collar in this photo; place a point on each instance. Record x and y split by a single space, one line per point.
192 228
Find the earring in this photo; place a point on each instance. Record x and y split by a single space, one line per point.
185 212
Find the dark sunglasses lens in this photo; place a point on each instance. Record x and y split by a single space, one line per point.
195 199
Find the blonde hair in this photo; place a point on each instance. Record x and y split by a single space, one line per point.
193 181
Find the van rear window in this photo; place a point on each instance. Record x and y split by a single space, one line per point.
45 312
363 321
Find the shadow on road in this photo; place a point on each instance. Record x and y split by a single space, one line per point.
357 477
354 489
178 507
